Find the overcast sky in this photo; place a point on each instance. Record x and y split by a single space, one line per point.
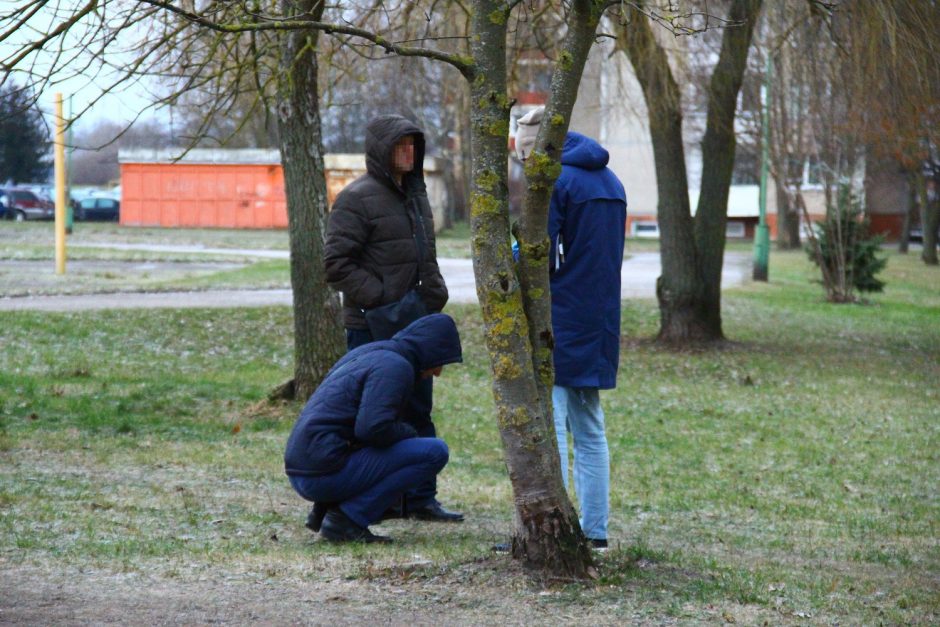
123 104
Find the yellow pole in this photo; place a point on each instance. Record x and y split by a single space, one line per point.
59 187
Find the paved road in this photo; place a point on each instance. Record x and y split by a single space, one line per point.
638 280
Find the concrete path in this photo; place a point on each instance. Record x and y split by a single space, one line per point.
638 280
172 248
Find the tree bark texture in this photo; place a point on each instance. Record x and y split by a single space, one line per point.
718 148
542 168
929 220
788 219
679 285
786 140
318 330
692 250
910 203
546 535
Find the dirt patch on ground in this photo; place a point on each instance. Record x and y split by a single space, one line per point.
32 596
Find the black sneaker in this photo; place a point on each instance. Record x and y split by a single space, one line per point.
337 527
598 544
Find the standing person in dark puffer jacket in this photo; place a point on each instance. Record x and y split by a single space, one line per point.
349 451
586 224
379 245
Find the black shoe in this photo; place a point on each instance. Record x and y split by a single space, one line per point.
337 527
598 544
315 517
392 513
435 513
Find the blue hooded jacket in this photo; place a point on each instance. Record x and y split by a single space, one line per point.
360 400
587 217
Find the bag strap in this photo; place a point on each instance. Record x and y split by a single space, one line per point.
420 236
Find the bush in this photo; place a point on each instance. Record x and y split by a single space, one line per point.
846 251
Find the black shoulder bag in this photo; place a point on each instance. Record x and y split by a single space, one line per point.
386 320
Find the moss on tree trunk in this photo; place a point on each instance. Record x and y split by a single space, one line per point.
517 316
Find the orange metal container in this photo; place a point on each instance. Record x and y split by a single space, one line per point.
217 195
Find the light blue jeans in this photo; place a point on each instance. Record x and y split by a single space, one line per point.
578 411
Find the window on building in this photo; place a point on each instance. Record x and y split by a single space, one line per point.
734 228
746 166
814 171
645 229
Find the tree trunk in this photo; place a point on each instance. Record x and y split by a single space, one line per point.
788 220
911 202
689 289
546 535
680 285
542 168
318 331
929 220
718 147
461 172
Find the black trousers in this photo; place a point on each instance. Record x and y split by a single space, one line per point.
417 414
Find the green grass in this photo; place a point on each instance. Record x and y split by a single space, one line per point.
789 477
258 275
39 278
454 242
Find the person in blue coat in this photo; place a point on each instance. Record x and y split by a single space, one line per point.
586 225
350 451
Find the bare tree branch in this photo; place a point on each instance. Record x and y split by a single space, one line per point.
463 64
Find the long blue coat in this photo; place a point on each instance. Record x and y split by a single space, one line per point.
361 399
586 223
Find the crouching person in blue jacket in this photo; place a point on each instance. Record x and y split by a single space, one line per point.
349 451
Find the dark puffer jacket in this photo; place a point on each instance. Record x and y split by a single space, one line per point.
360 401
380 232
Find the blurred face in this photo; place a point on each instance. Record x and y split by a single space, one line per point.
432 372
403 155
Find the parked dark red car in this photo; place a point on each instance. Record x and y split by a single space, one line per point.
22 204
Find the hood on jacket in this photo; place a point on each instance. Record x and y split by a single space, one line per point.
429 342
583 152
381 134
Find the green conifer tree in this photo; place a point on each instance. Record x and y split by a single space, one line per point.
24 137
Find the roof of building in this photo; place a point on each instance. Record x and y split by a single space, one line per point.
241 156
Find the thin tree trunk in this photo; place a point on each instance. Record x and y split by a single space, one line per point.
450 184
546 535
788 219
814 243
787 120
911 202
318 331
542 169
929 220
